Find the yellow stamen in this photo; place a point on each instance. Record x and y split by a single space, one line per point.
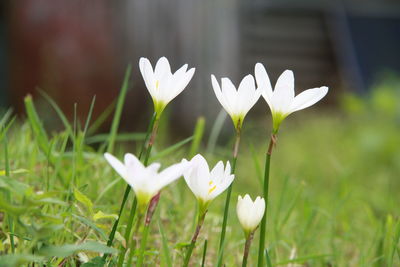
157 84
210 183
212 189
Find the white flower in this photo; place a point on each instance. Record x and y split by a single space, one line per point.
204 184
250 213
236 102
164 86
145 181
282 101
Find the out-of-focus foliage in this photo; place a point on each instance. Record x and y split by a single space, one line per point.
334 190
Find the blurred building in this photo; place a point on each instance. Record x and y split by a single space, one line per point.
74 49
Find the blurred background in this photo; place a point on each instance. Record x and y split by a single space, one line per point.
73 49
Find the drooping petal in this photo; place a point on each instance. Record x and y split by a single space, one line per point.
308 98
263 82
118 166
283 94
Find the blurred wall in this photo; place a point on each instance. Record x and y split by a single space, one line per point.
75 49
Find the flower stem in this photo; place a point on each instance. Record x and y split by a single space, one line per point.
127 233
145 233
247 248
265 191
228 199
145 145
194 238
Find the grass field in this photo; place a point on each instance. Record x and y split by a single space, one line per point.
334 194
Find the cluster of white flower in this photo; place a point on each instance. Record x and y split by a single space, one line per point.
164 86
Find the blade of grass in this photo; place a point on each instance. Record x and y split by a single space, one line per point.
7 127
166 253
59 112
89 116
118 110
216 130
10 219
303 259
101 118
171 149
36 124
5 117
197 136
99 138
203 260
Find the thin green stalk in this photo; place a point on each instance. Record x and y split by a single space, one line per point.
194 239
228 200
128 188
265 193
10 219
203 260
127 233
145 233
249 238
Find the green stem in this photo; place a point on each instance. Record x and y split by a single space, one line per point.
249 238
228 200
194 239
149 216
150 129
265 191
134 234
127 233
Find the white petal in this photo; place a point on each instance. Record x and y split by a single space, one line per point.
246 93
118 166
171 173
148 75
198 177
308 98
263 82
283 94
229 91
162 68
180 85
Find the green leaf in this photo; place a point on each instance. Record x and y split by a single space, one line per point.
84 200
91 225
3 172
101 215
95 262
68 250
17 260
14 186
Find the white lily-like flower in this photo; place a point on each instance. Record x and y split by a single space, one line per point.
282 100
236 102
250 213
146 182
205 184
163 85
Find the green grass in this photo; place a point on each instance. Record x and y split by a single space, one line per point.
334 190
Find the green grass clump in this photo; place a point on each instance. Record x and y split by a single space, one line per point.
333 195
